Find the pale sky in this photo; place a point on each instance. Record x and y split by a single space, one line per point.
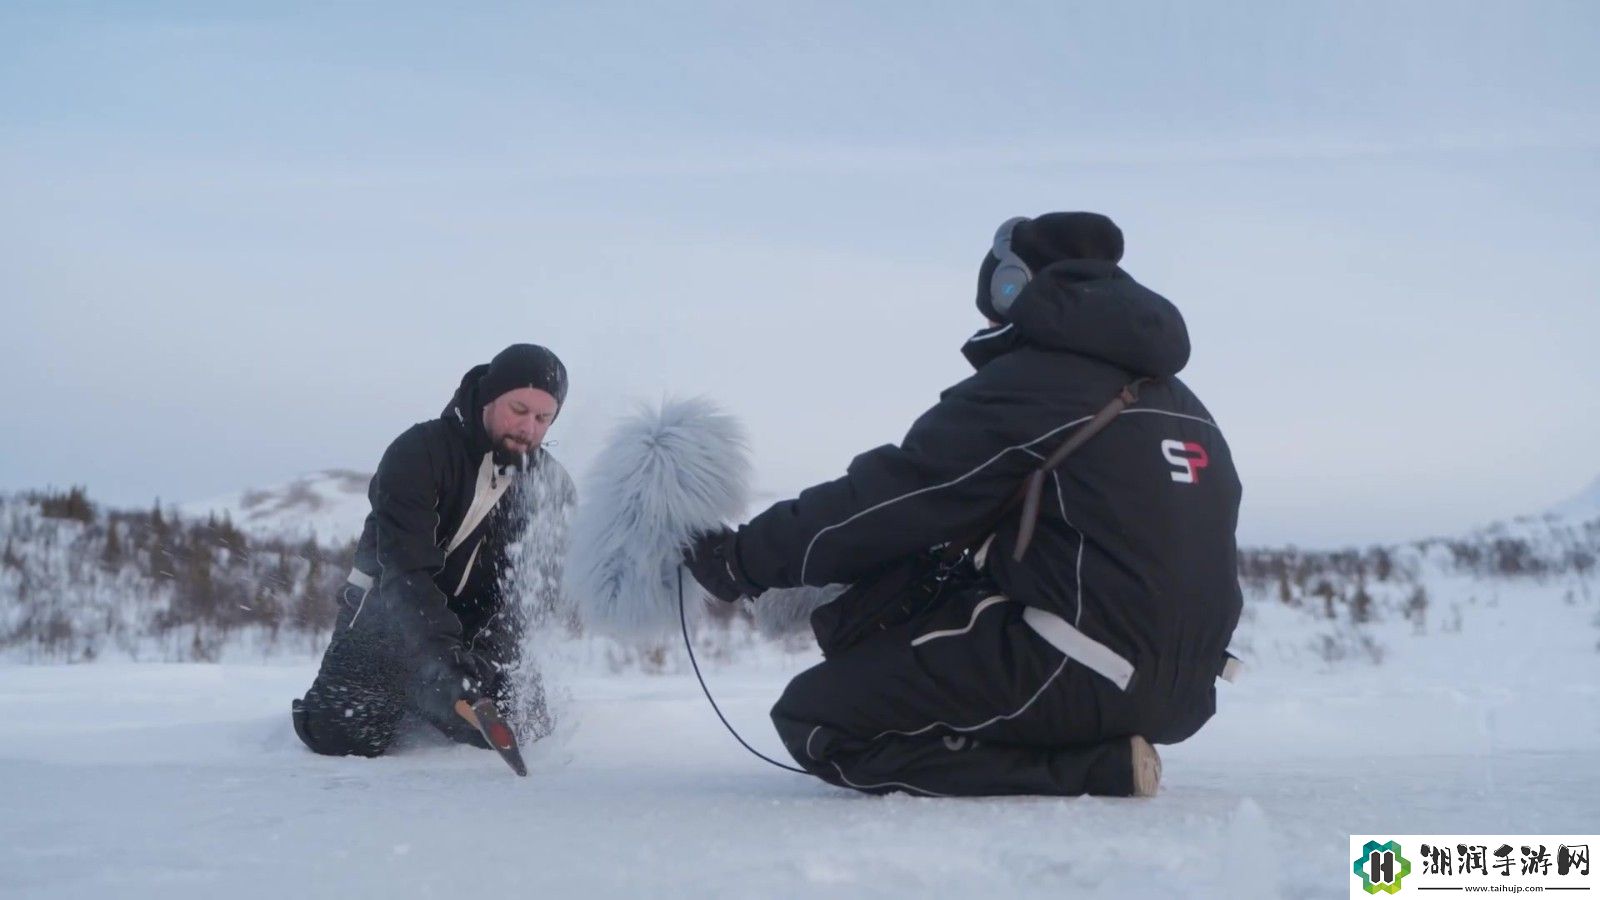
239 246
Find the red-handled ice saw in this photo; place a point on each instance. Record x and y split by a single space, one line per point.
483 716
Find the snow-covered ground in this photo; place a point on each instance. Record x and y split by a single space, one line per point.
130 780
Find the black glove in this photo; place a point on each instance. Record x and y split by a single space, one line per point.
713 559
455 672
476 667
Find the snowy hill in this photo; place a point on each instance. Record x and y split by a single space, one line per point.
1364 603
330 505
81 583
1583 505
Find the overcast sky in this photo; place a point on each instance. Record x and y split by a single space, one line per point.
239 246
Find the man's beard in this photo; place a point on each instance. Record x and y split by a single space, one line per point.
509 452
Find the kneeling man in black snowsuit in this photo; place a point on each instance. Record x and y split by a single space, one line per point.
1052 674
425 618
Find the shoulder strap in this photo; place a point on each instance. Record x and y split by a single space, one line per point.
1034 488
1029 493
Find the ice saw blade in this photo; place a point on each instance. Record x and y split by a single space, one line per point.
484 717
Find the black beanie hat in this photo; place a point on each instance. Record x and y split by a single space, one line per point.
1051 238
523 365
1054 237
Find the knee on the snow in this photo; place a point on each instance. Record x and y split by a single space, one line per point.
335 734
795 728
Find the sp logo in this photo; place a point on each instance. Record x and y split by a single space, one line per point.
1186 459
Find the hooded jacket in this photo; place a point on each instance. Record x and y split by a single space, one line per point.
1134 546
445 511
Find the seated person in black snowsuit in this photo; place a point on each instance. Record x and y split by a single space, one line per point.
1049 675
426 617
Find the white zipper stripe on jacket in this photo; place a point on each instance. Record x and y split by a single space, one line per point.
1167 412
805 560
365 593
993 334
956 632
467 572
1077 567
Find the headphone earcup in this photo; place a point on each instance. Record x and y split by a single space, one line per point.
1005 285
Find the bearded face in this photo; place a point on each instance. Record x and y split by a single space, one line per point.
517 420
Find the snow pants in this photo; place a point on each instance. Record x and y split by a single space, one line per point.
967 699
365 687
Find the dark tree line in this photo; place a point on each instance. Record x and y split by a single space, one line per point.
78 578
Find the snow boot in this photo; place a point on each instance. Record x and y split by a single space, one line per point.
1146 768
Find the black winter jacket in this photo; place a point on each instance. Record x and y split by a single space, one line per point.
437 584
1135 540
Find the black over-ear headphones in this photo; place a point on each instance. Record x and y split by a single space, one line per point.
1012 274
